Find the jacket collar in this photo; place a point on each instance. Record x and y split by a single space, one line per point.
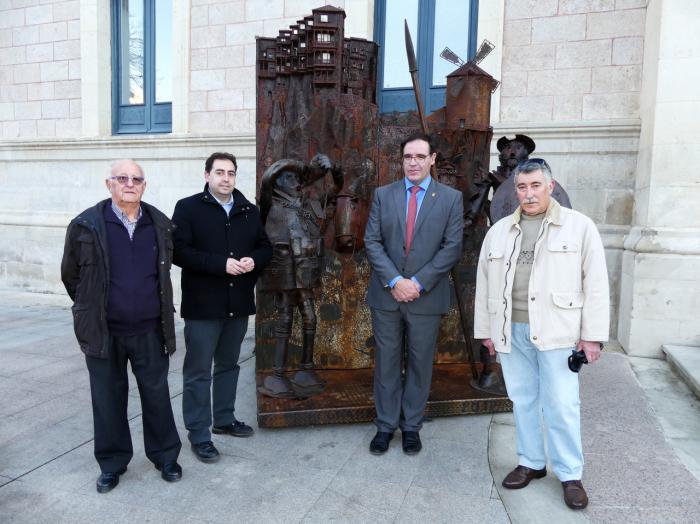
552 215
238 198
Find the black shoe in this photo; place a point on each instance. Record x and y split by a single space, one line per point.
380 443
205 451
235 429
410 440
170 471
109 480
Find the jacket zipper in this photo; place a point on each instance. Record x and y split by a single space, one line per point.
505 287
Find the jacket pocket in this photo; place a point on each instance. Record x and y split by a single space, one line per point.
82 325
565 319
562 246
87 254
493 304
568 300
494 256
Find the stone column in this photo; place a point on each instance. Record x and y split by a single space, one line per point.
660 286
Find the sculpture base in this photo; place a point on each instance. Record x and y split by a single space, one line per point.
347 399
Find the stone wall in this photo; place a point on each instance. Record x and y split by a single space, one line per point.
572 60
60 178
660 293
40 68
223 58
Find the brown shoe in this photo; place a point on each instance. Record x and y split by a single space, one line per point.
521 477
574 494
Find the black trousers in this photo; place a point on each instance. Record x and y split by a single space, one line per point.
218 341
109 387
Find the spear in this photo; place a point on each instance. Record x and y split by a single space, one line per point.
413 68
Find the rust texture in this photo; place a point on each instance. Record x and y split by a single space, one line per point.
347 399
319 98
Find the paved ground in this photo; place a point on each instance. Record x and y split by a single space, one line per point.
641 430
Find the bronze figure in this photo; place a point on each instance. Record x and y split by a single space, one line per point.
295 222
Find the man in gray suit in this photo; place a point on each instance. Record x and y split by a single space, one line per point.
413 239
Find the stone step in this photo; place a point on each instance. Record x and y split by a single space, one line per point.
685 360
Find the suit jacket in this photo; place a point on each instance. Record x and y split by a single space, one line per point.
435 249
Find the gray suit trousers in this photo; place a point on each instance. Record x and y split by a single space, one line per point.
401 403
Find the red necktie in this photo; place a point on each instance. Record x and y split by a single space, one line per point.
411 216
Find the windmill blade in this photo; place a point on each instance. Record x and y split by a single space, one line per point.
484 49
450 56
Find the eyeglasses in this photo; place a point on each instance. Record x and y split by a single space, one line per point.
122 180
418 158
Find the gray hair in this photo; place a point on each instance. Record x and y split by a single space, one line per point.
530 166
116 164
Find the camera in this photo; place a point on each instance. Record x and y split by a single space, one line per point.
576 360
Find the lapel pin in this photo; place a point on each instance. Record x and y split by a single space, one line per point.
432 195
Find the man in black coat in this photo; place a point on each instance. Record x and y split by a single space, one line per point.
116 269
222 247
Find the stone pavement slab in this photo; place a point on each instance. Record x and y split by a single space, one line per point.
322 473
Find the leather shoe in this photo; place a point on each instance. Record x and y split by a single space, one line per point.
109 480
521 477
410 440
205 451
170 471
235 429
574 494
380 443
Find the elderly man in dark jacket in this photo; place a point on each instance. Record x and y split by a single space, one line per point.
116 269
221 246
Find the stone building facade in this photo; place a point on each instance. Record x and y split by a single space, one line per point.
607 88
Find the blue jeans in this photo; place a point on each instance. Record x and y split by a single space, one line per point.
542 387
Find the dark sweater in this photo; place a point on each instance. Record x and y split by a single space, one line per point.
205 237
133 304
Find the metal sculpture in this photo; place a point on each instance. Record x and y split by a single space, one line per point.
295 223
512 151
316 94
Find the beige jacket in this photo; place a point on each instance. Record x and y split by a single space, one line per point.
568 288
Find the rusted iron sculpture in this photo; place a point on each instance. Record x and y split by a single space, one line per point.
316 94
512 151
295 223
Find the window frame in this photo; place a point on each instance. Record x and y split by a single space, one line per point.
402 98
151 116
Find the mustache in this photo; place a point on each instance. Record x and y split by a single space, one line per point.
531 200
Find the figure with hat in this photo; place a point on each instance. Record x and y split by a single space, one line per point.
295 217
511 151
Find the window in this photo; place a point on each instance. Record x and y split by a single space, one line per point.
141 66
434 25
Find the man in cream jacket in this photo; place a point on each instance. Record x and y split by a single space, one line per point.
542 291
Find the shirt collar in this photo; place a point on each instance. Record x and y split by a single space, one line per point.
123 216
553 213
423 185
227 203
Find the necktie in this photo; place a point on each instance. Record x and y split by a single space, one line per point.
411 216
